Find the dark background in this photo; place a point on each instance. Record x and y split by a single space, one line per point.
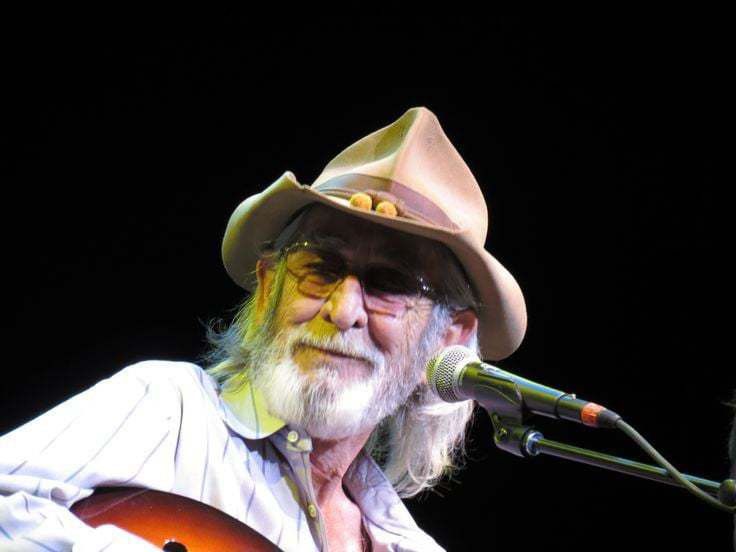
127 141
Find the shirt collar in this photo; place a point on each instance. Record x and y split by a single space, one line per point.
244 411
387 519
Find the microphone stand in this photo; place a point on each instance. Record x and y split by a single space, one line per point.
506 408
526 441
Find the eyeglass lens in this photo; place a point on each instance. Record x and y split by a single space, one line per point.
319 272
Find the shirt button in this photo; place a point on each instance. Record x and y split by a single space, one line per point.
312 509
292 436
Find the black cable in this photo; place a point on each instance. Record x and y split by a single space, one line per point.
672 471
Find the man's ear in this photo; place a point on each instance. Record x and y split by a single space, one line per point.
265 275
464 324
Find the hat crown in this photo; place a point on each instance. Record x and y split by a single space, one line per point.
414 152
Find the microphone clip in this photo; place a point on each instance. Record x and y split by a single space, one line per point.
514 437
504 402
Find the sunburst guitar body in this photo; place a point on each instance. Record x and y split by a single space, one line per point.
171 522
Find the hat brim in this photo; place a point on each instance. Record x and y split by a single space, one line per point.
261 218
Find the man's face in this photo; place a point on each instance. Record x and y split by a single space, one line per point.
342 356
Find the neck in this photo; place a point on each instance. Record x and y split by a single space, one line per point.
330 460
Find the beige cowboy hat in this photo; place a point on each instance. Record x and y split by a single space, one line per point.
406 176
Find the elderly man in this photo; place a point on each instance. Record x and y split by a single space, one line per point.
313 416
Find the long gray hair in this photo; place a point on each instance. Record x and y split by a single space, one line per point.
416 446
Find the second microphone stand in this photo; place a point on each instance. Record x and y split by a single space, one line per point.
513 435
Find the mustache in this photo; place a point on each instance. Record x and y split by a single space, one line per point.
341 345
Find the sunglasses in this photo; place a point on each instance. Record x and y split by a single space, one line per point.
320 271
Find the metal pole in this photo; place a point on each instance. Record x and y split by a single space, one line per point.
539 445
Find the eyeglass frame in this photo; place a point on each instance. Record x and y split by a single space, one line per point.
422 289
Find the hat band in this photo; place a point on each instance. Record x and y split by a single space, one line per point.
410 204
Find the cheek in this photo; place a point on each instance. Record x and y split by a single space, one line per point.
386 333
295 308
299 310
397 336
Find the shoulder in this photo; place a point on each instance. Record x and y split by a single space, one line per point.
126 412
179 379
160 387
153 372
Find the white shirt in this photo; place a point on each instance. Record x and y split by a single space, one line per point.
163 425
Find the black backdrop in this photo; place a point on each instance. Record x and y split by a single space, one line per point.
127 141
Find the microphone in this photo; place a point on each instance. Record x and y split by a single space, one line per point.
457 374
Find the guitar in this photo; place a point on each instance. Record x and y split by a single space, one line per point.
171 522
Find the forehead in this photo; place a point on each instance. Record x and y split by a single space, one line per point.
363 237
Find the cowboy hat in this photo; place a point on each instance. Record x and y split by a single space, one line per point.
406 176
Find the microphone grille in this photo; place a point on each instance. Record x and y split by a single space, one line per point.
442 369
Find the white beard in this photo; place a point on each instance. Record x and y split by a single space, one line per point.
326 403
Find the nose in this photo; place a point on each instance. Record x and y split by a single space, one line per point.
345 307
